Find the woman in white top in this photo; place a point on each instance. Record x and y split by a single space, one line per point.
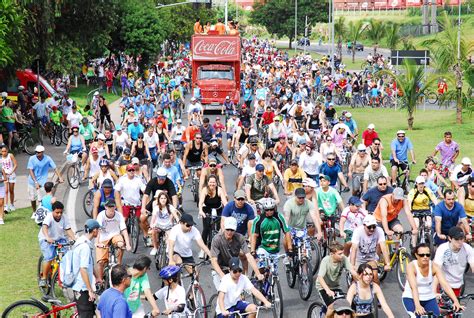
120 142
177 131
328 147
419 296
9 166
105 172
163 218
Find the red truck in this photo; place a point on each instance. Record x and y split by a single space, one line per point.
216 68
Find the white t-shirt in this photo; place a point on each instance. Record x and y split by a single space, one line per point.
353 220
164 217
130 189
453 264
74 118
247 171
56 230
233 290
110 227
177 132
310 164
182 241
175 298
120 140
152 140
367 250
196 106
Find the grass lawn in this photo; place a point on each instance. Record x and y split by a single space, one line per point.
80 93
428 129
20 250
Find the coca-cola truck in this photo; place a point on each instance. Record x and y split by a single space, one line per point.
216 68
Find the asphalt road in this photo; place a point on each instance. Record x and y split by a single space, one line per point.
293 305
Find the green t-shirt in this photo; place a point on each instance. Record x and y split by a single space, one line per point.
87 132
85 113
268 230
331 272
8 112
297 213
56 117
136 288
328 201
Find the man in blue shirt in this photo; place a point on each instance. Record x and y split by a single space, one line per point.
333 171
135 129
351 123
449 213
241 210
399 154
112 303
372 197
38 167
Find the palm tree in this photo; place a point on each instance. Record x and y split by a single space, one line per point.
408 83
444 50
340 30
407 44
376 32
355 33
392 35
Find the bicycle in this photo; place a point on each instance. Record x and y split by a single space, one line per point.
133 226
55 136
113 260
53 280
270 286
328 226
318 309
425 234
195 297
215 226
403 178
300 266
88 201
446 306
194 182
75 171
399 258
23 140
161 257
35 308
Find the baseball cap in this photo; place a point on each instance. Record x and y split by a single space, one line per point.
193 99
39 148
234 264
252 156
118 127
354 201
302 141
135 161
293 162
398 193
161 173
401 132
179 121
227 97
187 218
239 194
126 151
130 167
107 183
91 224
110 202
230 223
371 126
259 167
456 233
420 179
370 220
348 115
300 193
135 120
361 147
101 137
94 149
341 305
131 110
324 176
466 161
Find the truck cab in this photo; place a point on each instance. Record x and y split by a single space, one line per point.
26 78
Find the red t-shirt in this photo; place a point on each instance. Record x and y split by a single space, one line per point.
369 137
268 117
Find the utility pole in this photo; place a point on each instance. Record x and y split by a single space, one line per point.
332 38
225 11
296 24
458 72
305 33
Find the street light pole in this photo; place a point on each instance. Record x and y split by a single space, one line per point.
458 71
332 37
296 24
225 11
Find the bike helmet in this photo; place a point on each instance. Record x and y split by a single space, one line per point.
342 118
281 136
85 121
169 272
268 203
103 162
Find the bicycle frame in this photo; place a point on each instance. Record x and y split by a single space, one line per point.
53 313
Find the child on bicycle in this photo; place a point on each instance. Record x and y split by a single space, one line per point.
173 294
164 217
351 217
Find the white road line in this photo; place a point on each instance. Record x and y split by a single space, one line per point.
71 207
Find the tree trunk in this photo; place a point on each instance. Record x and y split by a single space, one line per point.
459 106
353 53
339 49
375 48
289 43
410 120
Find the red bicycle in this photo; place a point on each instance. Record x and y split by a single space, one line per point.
34 308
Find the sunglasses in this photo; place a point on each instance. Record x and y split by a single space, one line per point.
344 312
331 159
230 230
240 199
294 164
368 274
197 138
371 227
130 170
424 255
212 166
401 136
235 271
188 225
75 131
253 145
377 144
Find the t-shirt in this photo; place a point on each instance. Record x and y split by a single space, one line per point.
87 132
373 195
130 189
367 250
224 250
371 176
401 148
297 213
453 263
152 186
328 200
56 117
369 137
294 180
268 230
257 187
7 112
56 229
40 169
242 215
447 151
353 220
74 118
136 288
173 298
232 289
450 217
331 171
110 226
82 258
420 201
332 271
112 304
182 241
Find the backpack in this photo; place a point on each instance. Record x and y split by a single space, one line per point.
66 272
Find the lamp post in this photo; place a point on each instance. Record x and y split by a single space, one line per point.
458 72
296 24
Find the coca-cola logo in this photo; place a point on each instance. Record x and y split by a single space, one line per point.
215 48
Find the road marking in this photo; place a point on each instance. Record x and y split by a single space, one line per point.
71 201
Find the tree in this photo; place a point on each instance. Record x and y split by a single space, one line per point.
444 51
408 83
278 16
375 32
12 20
340 31
392 35
356 30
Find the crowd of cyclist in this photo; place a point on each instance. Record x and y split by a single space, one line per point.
285 133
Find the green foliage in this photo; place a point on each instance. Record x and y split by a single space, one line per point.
11 23
375 32
356 30
278 16
392 35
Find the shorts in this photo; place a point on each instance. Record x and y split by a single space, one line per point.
48 250
429 305
35 194
102 254
240 306
10 127
357 185
229 136
11 178
187 259
391 224
348 236
193 164
126 210
85 307
400 165
349 94
326 299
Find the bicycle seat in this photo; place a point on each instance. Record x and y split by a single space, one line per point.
51 300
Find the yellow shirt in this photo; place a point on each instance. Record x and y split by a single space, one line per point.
422 200
294 180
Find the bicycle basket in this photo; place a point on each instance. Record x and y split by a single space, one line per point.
72 158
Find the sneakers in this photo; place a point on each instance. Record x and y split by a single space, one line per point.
12 208
153 251
147 241
1 222
42 283
201 254
286 261
33 216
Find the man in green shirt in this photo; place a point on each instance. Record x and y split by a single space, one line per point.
9 122
87 130
296 210
56 116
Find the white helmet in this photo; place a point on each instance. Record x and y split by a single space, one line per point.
268 203
253 132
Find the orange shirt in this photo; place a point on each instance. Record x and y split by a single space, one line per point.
392 209
197 28
192 132
220 28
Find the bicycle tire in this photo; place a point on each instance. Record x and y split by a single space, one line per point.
73 176
430 242
88 202
211 309
160 258
35 307
402 264
195 191
134 233
375 307
56 288
305 284
65 136
277 299
432 98
381 272
43 290
316 310
57 137
52 136
197 301
315 256
291 275
29 145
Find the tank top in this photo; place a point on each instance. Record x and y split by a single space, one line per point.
363 306
392 209
374 154
314 123
424 284
243 136
281 149
103 177
94 166
101 152
76 144
140 151
269 172
103 198
195 154
120 140
46 202
178 166
214 202
161 136
7 164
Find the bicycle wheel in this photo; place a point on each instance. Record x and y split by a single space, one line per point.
375 307
196 299
73 176
305 286
429 240
44 290
402 264
315 256
88 202
211 307
134 233
56 288
57 137
25 308
29 145
432 97
291 274
277 296
381 272
316 310
65 136
194 189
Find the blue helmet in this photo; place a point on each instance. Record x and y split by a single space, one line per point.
169 272
103 162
